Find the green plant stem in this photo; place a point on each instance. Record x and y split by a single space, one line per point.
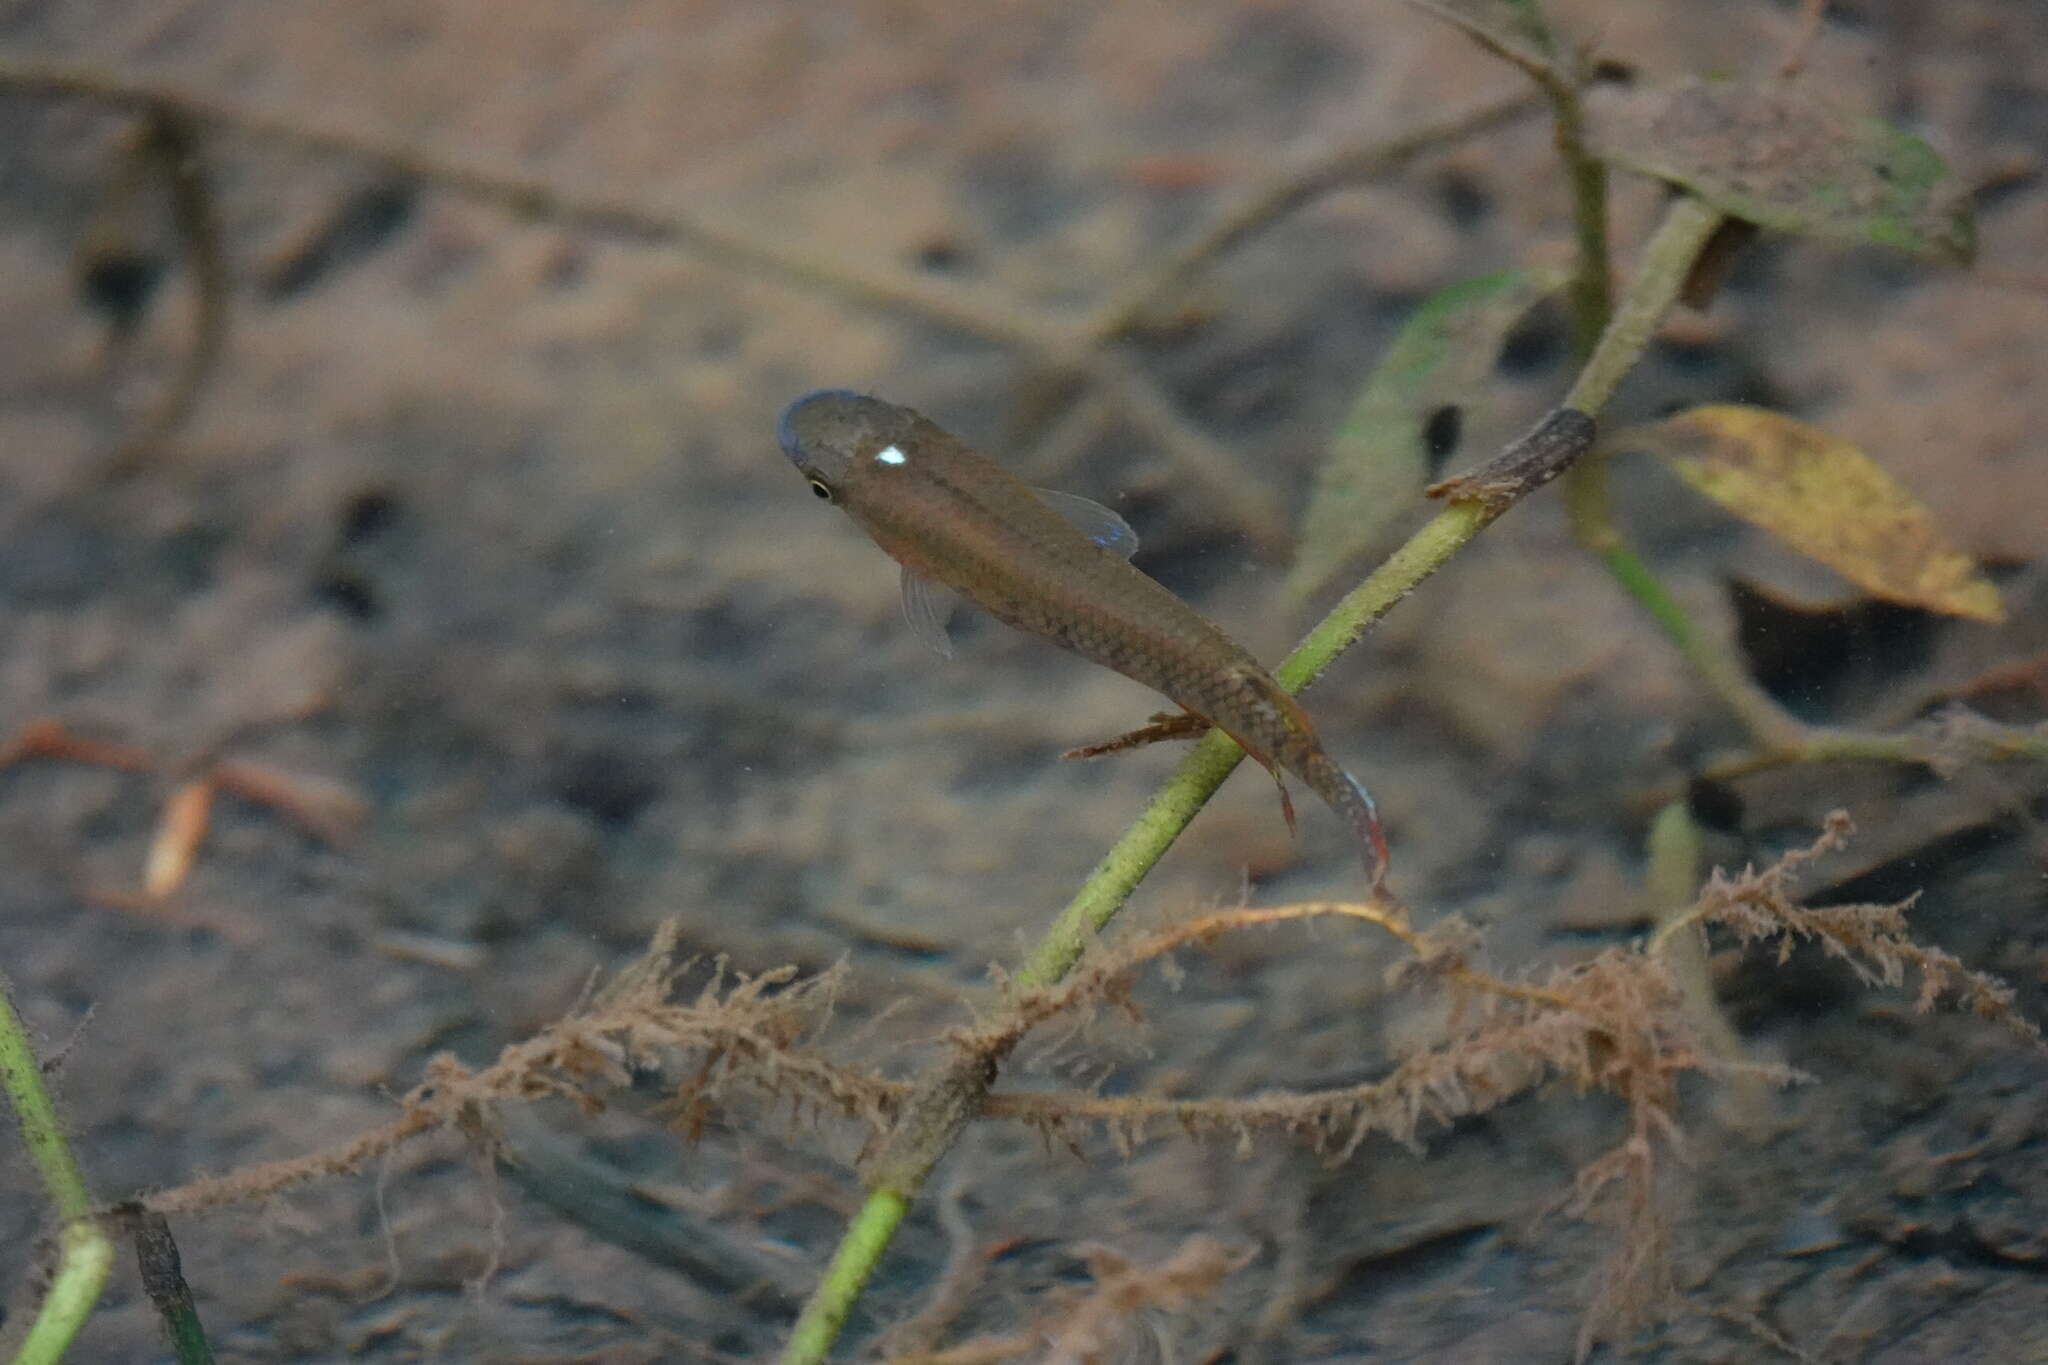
1667 259
1591 295
1528 43
84 1257
1366 160
1591 292
85 1251
1987 742
860 1250
1673 878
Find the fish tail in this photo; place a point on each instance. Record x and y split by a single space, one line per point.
1301 754
1347 796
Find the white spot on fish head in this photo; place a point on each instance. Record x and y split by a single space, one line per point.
890 455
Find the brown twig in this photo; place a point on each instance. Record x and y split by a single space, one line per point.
163 1280
1362 160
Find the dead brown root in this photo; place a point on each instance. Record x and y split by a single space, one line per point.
1615 1023
742 1035
1757 907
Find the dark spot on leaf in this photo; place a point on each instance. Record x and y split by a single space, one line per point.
1440 433
1537 345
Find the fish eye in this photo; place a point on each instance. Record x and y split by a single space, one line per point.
822 489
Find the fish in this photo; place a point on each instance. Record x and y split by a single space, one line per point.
1057 566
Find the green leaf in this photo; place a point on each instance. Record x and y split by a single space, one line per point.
1823 497
1379 462
1780 157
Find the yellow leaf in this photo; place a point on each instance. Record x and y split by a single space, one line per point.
1824 498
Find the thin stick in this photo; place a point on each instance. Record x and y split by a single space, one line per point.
163 1279
1559 79
1365 160
1667 261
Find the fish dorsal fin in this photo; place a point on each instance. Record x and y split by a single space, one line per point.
1092 520
926 606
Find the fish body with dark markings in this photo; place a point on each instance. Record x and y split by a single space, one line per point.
1050 564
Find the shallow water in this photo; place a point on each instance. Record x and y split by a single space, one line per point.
482 519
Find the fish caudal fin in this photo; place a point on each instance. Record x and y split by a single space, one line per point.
1347 796
1365 819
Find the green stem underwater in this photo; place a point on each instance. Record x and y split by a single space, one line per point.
1660 279
860 1250
85 1252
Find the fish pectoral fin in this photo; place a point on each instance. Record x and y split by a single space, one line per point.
1092 520
1165 725
926 606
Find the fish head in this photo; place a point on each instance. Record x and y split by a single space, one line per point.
834 437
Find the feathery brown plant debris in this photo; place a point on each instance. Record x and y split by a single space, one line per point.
1614 1023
